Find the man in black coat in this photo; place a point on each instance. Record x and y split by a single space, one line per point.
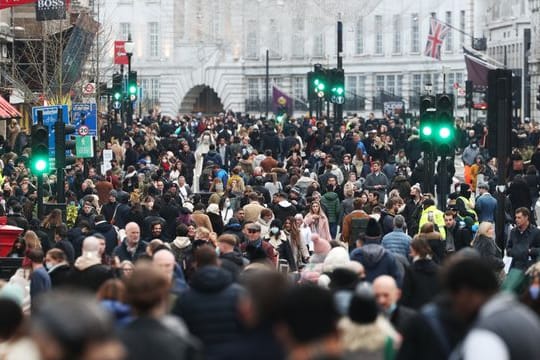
109 233
388 294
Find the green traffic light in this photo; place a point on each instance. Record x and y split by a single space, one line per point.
117 96
426 131
41 165
132 89
444 133
340 91
320 86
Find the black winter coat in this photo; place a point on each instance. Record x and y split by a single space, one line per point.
110 234
209 308
420 284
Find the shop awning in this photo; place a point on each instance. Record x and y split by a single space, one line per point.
7 111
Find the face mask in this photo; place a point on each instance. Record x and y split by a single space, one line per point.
274 230
49 265
534 291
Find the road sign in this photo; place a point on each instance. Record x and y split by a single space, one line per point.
89 89
83 130
86 112
50 115
84 146
117 105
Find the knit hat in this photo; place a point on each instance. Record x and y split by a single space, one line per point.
417 187
363 307
464 189
188 206
373 230
113 193
320 246
483 185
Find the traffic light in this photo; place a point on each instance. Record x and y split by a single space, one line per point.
320 82
427 121
337 86
61 131
132 86
39 163
117 86
445 129
311 85
469 103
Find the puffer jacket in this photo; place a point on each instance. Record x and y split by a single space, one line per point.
332 206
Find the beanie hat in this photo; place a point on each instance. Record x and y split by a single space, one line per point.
363 307
373 230
464 189
320 246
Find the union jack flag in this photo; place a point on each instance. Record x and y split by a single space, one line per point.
437 33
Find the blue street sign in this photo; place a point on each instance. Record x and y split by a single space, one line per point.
89 113
50 115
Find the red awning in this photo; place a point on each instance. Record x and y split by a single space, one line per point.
7 111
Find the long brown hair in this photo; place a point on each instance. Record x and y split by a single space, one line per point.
295 231
53 219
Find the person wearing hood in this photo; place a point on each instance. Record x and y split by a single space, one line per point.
420 283
283 209
376 259
264 221
182 249
122 211
234 227
214 215
279 241
88 273
210 307
108 231
230 259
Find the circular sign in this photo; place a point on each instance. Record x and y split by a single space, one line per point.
83 130
89 88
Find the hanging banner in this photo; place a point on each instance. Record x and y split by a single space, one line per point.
51 9
120 56
4 4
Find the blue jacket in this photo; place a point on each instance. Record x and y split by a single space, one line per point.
486 208
377 261
397 242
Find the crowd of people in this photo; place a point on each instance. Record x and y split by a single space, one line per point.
220 237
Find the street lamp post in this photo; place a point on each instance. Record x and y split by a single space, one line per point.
128 46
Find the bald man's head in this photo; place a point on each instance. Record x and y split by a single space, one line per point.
90 246
386 292
133 234
164 261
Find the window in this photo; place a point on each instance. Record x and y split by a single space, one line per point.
391 84
299 88
252 39
448 46
318 38
415 34
275 39
351 84
399 85
462 27
360 36
298 38
153 39
379 82
397 34
125 30
378 35
450 80
361 88
154 89
417 84
253 89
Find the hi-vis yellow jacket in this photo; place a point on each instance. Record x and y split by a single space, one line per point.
433 215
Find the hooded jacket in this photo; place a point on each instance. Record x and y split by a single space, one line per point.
209 307
377 261
420 283
233 263
283 210
88 273
332 205
110 234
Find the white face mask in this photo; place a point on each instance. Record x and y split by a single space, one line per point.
274 229
49 265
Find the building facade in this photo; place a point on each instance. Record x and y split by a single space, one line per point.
186 48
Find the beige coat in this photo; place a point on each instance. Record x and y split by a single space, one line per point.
252 211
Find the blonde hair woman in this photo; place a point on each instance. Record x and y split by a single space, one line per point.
484 243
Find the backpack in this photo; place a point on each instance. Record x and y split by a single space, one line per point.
358 228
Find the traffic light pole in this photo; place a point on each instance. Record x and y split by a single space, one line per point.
60 176
40 196
338 108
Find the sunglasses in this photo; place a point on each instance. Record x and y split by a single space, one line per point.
253 231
